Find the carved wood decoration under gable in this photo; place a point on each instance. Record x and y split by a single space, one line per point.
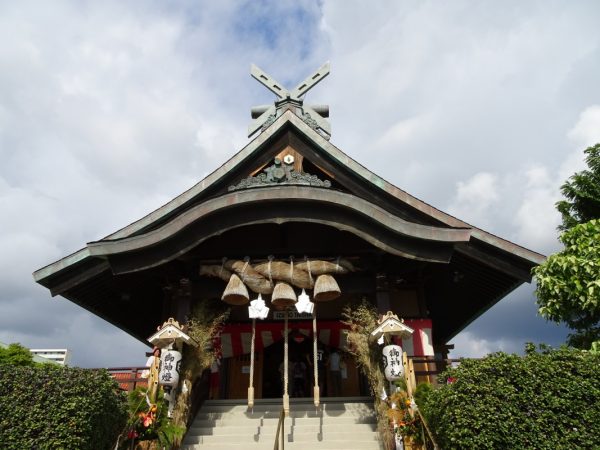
286 170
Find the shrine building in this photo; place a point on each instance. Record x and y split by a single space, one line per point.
288 199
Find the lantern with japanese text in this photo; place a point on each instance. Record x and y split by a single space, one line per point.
170 362
392 362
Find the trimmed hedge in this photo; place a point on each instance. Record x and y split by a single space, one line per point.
544 400
54 407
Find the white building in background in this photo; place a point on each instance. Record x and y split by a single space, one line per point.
59 355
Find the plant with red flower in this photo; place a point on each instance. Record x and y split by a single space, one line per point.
149 421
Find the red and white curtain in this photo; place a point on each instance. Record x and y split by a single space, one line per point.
234 339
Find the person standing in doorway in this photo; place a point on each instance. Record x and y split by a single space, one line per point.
153 367
335 373
299 376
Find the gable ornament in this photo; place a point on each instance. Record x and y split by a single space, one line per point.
313 115
278 173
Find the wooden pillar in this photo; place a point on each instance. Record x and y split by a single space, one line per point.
182 301
167 302
382 293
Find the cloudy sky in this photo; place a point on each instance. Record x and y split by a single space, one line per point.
109 109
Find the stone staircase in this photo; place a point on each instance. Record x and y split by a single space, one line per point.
339 424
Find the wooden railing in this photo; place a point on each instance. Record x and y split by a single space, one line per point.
427 367
129 377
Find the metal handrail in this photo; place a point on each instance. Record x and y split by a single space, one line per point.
280 431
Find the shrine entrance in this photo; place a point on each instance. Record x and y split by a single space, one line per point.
299 352
269 356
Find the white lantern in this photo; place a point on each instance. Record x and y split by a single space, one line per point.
170 363
392 362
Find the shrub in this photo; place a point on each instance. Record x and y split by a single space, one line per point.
16 355
55 407
546 399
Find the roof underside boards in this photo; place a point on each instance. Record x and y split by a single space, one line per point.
462 292
456 292
359 207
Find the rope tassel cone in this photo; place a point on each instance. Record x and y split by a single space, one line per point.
283 296
236 292
326 289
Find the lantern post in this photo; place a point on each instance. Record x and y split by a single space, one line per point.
393 355
170 338
395 361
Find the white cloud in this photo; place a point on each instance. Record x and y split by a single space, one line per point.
469 345
109 109
401 133
537 219
586 131
475 198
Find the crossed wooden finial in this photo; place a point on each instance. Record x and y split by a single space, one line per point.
315 115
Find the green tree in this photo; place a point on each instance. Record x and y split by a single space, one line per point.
16 355
582 193
568 284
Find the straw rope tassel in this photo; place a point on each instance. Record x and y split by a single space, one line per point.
286 397
316 393
251 386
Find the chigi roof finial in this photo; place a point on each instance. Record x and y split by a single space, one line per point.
313 115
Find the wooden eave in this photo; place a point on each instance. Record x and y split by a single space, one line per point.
258 152
361 203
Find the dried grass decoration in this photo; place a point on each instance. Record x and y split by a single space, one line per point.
283 296
236 292
326 289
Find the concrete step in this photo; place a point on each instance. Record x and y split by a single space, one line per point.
293 401
272 421
300 406
294 413
289 428
323 445
205 421
329 436
341 424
